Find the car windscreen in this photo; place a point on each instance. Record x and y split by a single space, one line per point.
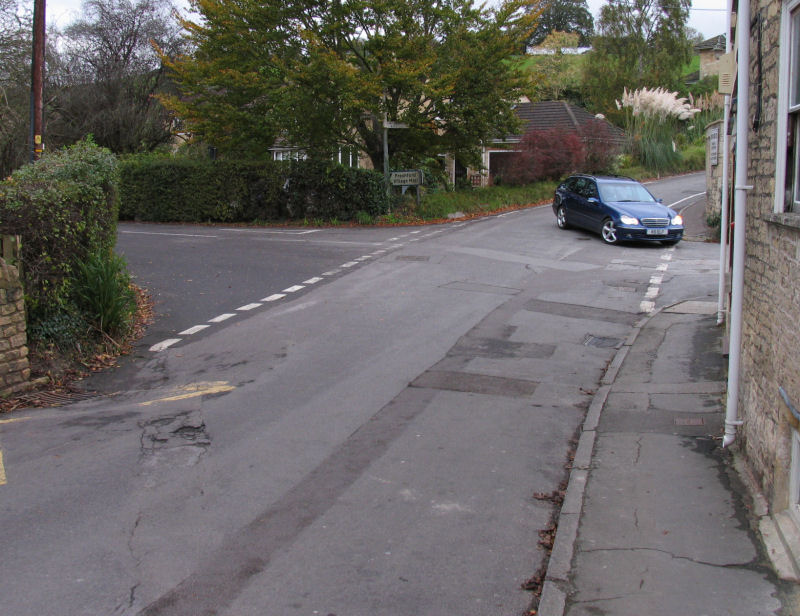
624 191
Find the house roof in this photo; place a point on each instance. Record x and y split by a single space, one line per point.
545 115
715 43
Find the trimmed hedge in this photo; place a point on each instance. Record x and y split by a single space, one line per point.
202 190
64 207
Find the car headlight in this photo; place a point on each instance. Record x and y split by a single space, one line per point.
629 220
678 220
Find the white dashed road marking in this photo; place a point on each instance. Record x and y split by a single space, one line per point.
390 244
193 330
164 344
222 317
648 305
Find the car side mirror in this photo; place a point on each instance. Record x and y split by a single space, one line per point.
593 200
660 200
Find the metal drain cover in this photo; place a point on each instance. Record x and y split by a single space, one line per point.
690 421
602 343
54 398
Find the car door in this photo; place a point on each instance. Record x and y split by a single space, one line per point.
592 208
567 195
581 207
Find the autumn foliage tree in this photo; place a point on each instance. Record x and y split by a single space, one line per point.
638 43
325 74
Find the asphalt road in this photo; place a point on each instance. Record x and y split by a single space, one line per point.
368 444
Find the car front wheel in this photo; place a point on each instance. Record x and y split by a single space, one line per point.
609 232
561 217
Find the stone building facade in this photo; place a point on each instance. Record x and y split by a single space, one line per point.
770 360
710 52
14 368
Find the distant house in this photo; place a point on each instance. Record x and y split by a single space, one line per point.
543 115
710 51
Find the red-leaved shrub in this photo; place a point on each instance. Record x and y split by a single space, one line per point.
545 154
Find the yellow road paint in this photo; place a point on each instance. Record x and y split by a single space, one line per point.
193 390
2 470
12 420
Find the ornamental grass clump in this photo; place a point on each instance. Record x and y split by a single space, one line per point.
654 118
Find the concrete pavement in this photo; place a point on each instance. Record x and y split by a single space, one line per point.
656 520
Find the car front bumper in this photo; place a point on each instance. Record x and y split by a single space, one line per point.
637 233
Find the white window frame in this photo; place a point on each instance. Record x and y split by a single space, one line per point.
789 41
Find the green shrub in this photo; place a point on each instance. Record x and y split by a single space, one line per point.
319 189
64 208
177 189
693 157
103 292
63 330
201 190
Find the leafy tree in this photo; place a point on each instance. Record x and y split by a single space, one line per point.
324 74
639 43
15 72
564 16
108 73
558 75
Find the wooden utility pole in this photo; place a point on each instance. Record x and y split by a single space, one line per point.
37 80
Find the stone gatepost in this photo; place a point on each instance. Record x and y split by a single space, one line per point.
14 367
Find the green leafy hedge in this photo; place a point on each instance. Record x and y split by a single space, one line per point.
202 190
64 207
199 190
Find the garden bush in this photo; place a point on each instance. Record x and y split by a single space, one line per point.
545 155
322 190
64 207
103 292
178 189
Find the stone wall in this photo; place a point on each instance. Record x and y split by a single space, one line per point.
771 318
14 368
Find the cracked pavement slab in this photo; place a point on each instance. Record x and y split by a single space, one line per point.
658 504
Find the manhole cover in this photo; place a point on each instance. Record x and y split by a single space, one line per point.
601 342
690 421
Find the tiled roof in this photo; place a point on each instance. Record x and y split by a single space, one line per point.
715 43
557 114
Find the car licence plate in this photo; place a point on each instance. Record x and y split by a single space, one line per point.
657 231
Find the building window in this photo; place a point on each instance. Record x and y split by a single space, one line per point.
788 152
348 157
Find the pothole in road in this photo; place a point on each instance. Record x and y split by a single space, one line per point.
182 430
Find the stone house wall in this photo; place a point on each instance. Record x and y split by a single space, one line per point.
14 368
771 317
709 62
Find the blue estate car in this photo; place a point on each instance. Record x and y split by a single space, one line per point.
618 208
